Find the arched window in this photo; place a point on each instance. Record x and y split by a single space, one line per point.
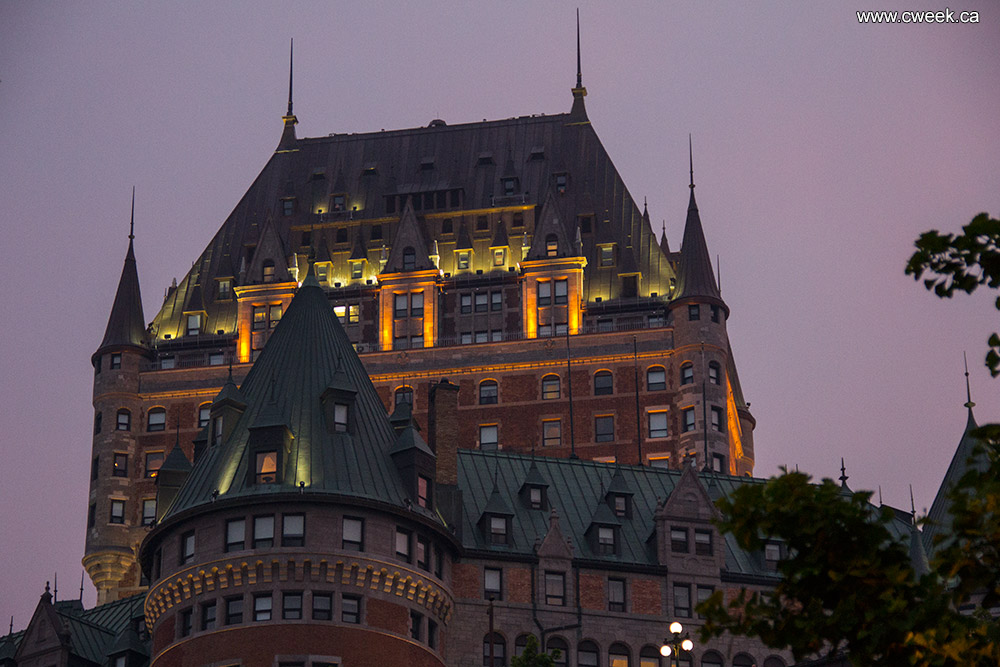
499 650
409 258
124 421
551 245
603 383
204 412
711 659
649 656
656 378
268 272
550 387
520 643
558 644
156 420
618 656
404 395
743 660
488 392
587 654
774 661
687 373
713 372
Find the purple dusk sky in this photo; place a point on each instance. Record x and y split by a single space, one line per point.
822 148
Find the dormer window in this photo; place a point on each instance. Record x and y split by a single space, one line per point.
266 467
423 491
194 324
409 259
288 206
619 503
536 497
463 259
551 245
561 181
321 272
338 203
702 542
607 255
498 530
606 545
267 274
499 256
509 186
225 288
340 412
217 431
357 269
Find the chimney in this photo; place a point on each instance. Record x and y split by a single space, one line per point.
442 430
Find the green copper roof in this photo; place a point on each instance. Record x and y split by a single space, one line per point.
307 353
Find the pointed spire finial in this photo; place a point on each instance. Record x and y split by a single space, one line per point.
291 57
968 392
913 508
81 584
131 223
843 473
879 495
691 161
579 70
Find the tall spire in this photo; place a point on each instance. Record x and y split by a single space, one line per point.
579 69
578 113
690 162
288 134
291 60
695 276
126 324
968 392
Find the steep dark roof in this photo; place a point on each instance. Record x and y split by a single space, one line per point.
939 516
696 278
306 351
126 325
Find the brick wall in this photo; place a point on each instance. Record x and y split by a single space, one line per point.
592 594
465 581
646 597
518 584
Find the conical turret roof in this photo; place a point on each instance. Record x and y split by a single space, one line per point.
696 278
939 516
126 323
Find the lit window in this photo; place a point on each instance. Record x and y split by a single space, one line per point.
492 583
340 417
187 548
291 606
293 530
153 462
603 383
694 312
354 531
498 530
682 600
120 465
488 391
274 315
322 606
262 607
423 491
717 422
618 656
267 274
499 256
463 259
607 257
340 311
656 379
116 361
551 433
350 609
551 245
156 420
658 425
544 294
194 324
117 512
124 422
267 467
604 428
204 415
713 373
687 374
353 313
409 259
225 287
555 589
550 387
259 318
606 540
562 292
488 437
236 530
688 419
703 542
679 540
357 269
263 532
403 544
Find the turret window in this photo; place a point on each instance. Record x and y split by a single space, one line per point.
718 423
488 392
713 372
403 538
153 462
156 420
234 611
350 608
236 530
117 514
688 414
263 532
262 607
715 313
98 418
116 361
124 422
291 606
322 606
293 530
656 379
687 373
694 312
719 463
354 534
187 548
120 465
550 387
267 467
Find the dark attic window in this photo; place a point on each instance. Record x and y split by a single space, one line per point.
338 202
376 233
447 227
561 180
287 207
485 159
509 186
306 238
341 236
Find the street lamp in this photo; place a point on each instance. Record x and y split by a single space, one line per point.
672 646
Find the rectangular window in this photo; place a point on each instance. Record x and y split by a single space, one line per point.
224 288
555 589
466 303
416 625
463 259
620 502
287 207
187 548
259 318
399 305
168 362
679 540
719 463
703 593
263 532
262 607
606 540
340 417
656 379
291 606
423 491
688 419
423 553
438 562
116 361
551 433
432 636
496 300
185 624
204 414
417 304
536 497
403 544
293 530
322 606
350 609
149 511
694 311
400 343
562 292
492 583
488 439
658 425
604 428
498 530
616 594
120 467
703 542
544 290
117 512
482 302
236 530
561 180
208 613
466 338
715 313
153 462
267 467
234 611
772 554
216 359
353 313
682 600
92 515
354 534
357 269
482 223
499 256
717 421
607 255
550 387
194 324
482 337
544 330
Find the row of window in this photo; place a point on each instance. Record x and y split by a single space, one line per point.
114 362
156 419
694 312
480 302
233 610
